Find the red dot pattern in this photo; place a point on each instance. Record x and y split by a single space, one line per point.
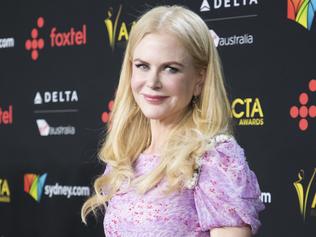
294 112
312 111
303 112
303 98
34 44
106 115
303 124
312 85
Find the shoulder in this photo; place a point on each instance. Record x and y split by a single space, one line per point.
224 149
227 191
222 155
225 162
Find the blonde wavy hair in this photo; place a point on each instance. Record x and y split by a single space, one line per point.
129 132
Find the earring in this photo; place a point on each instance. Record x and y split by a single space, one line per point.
194 100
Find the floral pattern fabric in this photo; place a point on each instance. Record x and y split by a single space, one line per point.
226 194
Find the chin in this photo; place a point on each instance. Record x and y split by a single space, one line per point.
154 115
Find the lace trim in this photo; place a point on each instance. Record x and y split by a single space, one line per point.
212 142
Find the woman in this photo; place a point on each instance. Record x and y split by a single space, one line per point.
173 166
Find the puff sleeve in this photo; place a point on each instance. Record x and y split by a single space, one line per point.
227 191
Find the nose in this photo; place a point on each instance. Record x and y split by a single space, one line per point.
153 81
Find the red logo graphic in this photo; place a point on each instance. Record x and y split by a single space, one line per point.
34 44
55 39
6 116
304 111
106 115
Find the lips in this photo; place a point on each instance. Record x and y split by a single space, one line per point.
154 98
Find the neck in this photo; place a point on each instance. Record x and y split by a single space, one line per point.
159 133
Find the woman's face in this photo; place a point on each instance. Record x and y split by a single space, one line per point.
163 77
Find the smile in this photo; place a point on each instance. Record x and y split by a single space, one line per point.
154 99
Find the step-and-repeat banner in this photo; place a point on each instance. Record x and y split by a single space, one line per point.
59 68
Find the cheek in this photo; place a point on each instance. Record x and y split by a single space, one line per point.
135 83
182 88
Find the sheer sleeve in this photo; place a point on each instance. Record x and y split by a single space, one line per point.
227 191
106 172
107 169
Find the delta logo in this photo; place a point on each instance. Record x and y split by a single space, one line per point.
6 115
55 39
48 97
305 112
302 12
105 116
4 191
33 185
208 5
248 111
46 130
306 194
117 29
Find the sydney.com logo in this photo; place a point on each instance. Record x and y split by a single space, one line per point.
34 186
302 12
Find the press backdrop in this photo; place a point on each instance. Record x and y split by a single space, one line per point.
59 68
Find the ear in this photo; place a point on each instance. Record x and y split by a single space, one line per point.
199 82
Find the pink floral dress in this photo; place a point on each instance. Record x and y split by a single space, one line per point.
226 193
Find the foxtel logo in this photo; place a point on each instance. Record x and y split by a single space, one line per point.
6 116
56 97
46 130
72 37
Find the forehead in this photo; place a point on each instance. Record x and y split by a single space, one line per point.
161 47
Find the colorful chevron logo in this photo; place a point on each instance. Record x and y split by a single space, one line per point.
33 185
302 12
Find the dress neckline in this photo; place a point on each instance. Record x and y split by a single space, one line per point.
150 154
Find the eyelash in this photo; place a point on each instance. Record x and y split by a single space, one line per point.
141 66
146 67
172 69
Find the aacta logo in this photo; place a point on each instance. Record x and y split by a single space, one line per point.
106 115
116 32
33 185
303 111
248 111
4 191
207 5
302 12
56 97
71 37
303 195
6 115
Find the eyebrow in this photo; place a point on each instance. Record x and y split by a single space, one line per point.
166 63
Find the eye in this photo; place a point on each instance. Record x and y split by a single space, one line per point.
171 69
142 66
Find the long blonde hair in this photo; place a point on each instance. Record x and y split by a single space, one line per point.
129 131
